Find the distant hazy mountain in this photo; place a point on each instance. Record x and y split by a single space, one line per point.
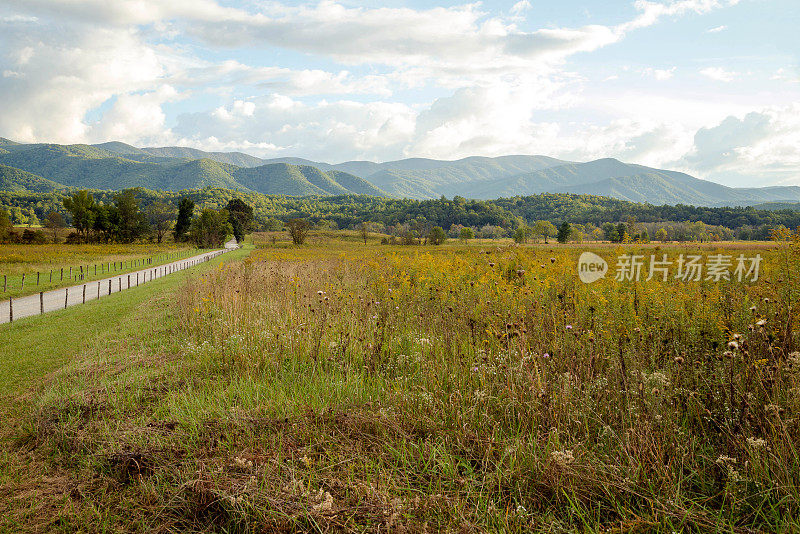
612 178
116 165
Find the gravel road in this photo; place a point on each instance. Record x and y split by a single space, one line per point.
58 299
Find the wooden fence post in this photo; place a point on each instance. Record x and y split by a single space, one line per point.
66 297
5 283
37 278
120 283
84 293
23 282
41 302
98 290
109 286
129 281
62 274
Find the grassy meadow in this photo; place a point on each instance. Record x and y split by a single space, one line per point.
343 387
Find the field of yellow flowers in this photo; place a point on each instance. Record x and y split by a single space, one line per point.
465 388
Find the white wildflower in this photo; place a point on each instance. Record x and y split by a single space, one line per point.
563 458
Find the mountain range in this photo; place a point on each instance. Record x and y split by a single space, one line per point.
115 165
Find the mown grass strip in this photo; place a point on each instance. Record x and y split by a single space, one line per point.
32 348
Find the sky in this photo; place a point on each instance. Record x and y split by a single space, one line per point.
708 87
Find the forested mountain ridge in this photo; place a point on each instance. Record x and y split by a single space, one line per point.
116 165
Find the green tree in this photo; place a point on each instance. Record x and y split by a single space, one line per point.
298 230
5 226
106 222
466 234
544 229
184 222
211 229
80 205
132 223
161 216
661 235
363 230
54 222
273 225
437 235
622 231
521 234
241 215
564 232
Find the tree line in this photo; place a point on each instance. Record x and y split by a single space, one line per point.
122 219
589 215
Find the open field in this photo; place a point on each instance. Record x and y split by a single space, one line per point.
375 388
16 260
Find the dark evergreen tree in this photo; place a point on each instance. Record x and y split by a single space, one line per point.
241 218
564 232
184 222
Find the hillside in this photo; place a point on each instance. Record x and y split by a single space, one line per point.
427 178
302 180
116 165
19 181
612 178
232 158
120 166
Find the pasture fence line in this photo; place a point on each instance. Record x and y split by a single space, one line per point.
82 271
18 307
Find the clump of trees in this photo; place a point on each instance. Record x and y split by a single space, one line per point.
123 220
298 230
437 236
211 229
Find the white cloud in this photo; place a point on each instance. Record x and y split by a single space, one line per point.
281 126
62 75
785 75
651 12
660 74
520 8
719 74
717 29
135 117
282 80
760 147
